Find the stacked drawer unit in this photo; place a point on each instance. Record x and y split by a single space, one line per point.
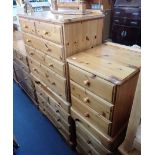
20 65
49 39
103 82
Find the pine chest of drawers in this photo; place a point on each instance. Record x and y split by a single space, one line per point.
49 40
102 81
20 65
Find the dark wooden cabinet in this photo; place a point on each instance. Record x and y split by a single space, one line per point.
126 22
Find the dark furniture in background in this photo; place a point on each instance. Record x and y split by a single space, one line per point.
126 22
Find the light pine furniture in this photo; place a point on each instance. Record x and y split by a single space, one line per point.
49 39
20 66
132 144
103 82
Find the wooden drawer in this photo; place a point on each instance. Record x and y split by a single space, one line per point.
44 92
51 49
14 54
35 68
65 124
54 81
22 66
35 54
21 57
41 92
27 25
27 79
41 100
89 150
90 139
51 63
101 106
107 141
93 83
49 31
55 65
90 115
58 109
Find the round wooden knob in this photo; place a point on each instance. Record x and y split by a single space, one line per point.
86 100
86 82
35 69
51 65
58 120
20 57
25 26
86 114
53 83
28 40
31 53
88 141
45 32
48 50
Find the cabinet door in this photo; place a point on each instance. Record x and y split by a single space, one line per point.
126 35
117 33
131 36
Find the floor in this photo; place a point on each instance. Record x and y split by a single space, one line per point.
33 131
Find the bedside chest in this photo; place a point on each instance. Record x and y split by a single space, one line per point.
102 81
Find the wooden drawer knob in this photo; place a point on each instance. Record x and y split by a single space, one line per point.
31 53
35 70
53 83
88 141
86 82
86 100
25 26
21 58
51 65
49 50
28 40
86 114
58 119
45 32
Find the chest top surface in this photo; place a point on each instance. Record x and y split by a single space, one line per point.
112 62
48 16
18 43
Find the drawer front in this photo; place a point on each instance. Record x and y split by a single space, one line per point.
14 54
22 66
100 136
18 72
21 57
27 79
41 92
54 81
90 139
91 116
58 109
50 31
131 13
100 87
55 65
35 54
88 148
27 25
48 95
49 48
126 22
101 106
51 79
51 63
